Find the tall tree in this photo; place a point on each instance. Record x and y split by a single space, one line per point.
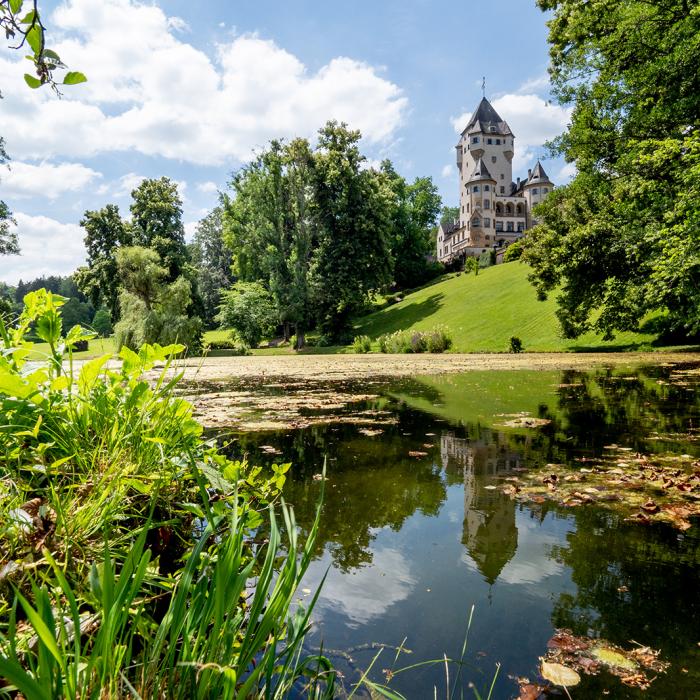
415 212
354 205
213 262
270 226
622 239
156 220
105 234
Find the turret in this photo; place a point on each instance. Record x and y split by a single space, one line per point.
536 187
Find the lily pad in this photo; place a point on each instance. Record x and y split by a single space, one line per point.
559 674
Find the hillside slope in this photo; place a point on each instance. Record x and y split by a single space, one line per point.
484 311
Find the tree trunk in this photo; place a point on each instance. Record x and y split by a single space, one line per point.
301 340
285 331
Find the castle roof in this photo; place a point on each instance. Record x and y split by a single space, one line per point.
538 175
487 120
480 172
449 227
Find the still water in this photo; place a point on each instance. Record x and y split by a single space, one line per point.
411 537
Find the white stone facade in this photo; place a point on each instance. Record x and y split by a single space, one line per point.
494 211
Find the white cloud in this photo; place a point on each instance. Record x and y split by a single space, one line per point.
190 228
46 179
208 187
127 183
48 247
538 84
566 173
178 24
158 95
448 171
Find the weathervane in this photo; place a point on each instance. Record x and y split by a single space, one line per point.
483 86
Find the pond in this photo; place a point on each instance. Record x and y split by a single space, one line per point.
417 526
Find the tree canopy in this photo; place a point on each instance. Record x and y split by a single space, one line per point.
622 239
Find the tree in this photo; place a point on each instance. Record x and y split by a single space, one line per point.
248 309
8 237
213 262
622 239
156 220
153 310
102 323
354 205
414 215
271 226
105 233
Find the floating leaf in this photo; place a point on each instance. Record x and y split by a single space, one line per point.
611 657
560 674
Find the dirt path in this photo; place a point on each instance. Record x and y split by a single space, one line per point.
339 367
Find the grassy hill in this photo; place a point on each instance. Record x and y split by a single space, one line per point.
484 311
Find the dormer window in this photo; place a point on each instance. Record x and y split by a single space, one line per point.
492 129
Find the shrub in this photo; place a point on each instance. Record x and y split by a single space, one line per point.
435 340
102 323
231 345
514 251
361 344
249 309
516 345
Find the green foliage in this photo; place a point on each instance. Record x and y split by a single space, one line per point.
513 252
516 345
213 263
102 323
471 264
8 237
486 259
435 340
21 23
414 214
153 311
298 216
105 234
361 344
120 521
621 239
248 309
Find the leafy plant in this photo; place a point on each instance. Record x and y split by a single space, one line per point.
127 540
362 344
436 340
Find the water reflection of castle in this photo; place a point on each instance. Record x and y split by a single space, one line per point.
488 531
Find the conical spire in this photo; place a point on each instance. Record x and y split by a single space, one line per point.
480 172
538 175
487 120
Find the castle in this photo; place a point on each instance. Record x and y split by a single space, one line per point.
494 211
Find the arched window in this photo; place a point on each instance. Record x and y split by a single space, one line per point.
499 208
535 190
487 188
519 210
509 209
475 188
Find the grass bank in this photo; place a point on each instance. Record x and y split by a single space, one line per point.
483 311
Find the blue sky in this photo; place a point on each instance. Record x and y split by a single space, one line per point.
191 89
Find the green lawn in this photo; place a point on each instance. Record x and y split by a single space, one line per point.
484 311
99 346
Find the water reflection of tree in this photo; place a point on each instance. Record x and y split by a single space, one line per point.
635 583
372 483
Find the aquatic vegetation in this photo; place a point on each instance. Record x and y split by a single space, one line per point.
129 563
435 340
645 487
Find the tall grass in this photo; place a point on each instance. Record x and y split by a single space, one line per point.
129 562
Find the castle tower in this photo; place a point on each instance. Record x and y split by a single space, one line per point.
536 188
489 138
479 193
